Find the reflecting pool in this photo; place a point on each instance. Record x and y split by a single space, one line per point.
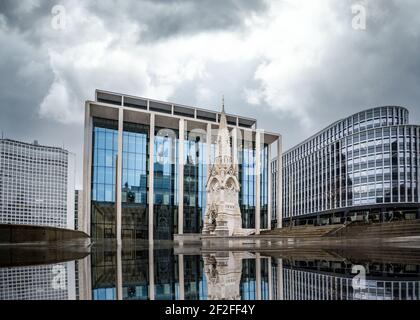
168 272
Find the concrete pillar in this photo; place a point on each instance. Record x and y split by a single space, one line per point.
118 182
279 183
270 280
208 141
151 174
151 272
181 277
258 275
258 182
181 175
85 278
208 150
87 171
280 280
270 189
118 286
235 147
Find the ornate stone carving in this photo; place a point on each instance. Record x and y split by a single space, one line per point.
223 215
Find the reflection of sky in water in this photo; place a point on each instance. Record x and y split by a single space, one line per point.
221 275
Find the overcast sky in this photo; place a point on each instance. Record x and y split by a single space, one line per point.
295 65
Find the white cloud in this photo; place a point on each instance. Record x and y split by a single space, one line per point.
292 44
296 43
60 104
253 96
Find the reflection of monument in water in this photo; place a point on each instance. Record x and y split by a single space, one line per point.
223 215
223 271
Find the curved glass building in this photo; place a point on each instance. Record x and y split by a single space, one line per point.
363 167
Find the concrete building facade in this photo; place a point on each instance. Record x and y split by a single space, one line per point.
36 185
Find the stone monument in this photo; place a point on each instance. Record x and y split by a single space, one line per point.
223 215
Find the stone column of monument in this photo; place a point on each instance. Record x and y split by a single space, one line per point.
223 215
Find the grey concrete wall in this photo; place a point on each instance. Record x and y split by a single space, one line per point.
14 234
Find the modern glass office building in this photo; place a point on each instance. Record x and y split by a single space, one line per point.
36 185
145 168
363 167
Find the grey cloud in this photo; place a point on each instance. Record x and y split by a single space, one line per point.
363 69
165 19
161 19
360 69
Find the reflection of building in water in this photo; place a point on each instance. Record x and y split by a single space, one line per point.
43 282
147 275
161 274
333 281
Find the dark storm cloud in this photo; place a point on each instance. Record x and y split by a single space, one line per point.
164 19
26 73
357 69
161 19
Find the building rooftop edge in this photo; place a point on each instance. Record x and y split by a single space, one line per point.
34 145
270 133
336 122
171 103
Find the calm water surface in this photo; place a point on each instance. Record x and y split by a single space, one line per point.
166 272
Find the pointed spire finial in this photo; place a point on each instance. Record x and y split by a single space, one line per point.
223 103
223 122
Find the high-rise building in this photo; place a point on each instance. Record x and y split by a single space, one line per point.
363 167
41 282
36 185
146 163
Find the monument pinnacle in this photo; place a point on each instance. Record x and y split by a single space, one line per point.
223 214
223 122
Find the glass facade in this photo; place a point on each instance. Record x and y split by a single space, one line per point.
368 159
248 182
166 177
274 176
195 178
135 176
264 186
105 150
134 198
